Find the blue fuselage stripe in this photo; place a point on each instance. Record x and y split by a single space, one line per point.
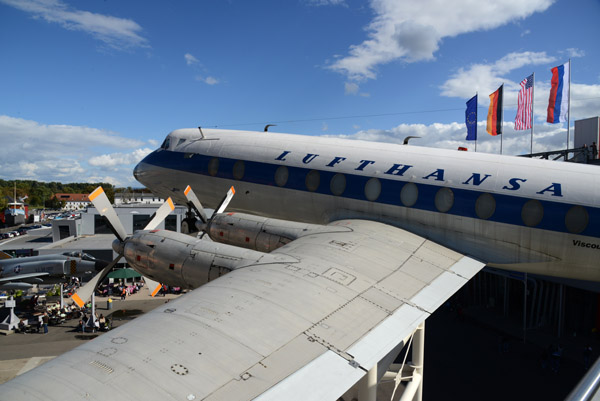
508 208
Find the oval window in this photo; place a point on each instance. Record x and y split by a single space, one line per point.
485 206
338 184
409 194
577 219
313 179
238 170
532 212
444 199
373 189
213 166
281 176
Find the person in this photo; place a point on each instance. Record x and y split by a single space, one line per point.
45 322
594 149
123 293
102 322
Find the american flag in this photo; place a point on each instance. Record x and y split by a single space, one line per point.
524 112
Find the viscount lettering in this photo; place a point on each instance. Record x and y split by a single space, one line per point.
398 169
282 156
363 164
555 188
438 174
335 161
309 157
476 178
514 182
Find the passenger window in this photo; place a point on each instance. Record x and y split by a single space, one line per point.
281 176
313 179
532 213
238 170
213 166
485 206
409 194
373 189
577 219
338 184
444 199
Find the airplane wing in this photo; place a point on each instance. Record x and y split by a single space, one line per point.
303 330
23 277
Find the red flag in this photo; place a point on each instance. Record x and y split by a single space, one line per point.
524 111
494 117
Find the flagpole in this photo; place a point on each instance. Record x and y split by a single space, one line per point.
502 117
569 111
476 93
532 119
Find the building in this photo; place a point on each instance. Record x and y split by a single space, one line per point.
74 201
137 198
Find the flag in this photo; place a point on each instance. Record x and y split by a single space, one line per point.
524 111
471 119
558 104
494 117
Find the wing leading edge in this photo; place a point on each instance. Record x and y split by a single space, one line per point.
305 330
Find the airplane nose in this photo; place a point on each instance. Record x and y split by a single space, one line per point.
100 264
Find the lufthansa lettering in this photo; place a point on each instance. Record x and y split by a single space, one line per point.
398 169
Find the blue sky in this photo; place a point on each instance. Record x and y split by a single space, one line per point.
89 88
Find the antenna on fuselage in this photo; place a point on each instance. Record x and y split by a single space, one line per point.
408 138
201 133
269 125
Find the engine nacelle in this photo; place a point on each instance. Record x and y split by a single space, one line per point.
260 233
183 261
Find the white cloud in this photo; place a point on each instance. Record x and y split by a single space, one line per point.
117 33
207 80
573 52
486 78
119 159
451 136
190 60
65 153
411 30
350 88
319 3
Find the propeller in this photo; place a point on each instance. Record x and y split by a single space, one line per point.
100 201
197 206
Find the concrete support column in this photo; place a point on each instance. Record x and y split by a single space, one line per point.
418 358
367 387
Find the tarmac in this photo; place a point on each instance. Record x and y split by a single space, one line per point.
464 358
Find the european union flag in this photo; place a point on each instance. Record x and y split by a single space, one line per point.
471 119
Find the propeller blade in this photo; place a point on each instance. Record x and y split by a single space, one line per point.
225 201
152 285
101 202
85 292
195 202
162 212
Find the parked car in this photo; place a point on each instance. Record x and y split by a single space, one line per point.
22 231
4 236
14 233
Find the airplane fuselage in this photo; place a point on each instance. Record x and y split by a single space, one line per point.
523 214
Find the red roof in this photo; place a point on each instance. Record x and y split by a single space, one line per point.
72 197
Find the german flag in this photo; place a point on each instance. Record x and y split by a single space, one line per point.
494 117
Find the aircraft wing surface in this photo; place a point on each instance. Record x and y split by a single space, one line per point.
304 330
23 277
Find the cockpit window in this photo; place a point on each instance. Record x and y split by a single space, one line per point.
180 141
166 143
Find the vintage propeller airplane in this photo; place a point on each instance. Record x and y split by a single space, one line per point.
336 253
